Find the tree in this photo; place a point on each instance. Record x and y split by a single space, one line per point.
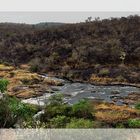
122 57
89 19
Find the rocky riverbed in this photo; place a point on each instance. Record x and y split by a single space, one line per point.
73 92
36 89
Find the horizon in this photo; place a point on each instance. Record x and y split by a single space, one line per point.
59 17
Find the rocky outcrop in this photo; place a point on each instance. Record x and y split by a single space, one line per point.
131 99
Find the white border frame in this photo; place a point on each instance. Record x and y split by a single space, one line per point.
69 5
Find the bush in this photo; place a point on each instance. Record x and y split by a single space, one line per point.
55 108
134 123
54 111
55 100
12 111
59 122
3 85
21 110
35 65
137 106
57 113
104 72
120 78
80 123
34 68
119 125
33 124
83 109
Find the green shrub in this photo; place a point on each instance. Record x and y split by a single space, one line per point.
35 64
82 109
3 85
97 66
34 68
57 113
54 111
12 111
120 125
137 106
80 123
55 108
21 110
134 123
59 122
104 72
120 78
6 119
55 100
33 124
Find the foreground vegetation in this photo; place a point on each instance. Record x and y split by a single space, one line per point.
81 115
57 114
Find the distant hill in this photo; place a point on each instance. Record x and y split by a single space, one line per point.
48 24
10 29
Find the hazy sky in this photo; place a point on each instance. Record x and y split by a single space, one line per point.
67 17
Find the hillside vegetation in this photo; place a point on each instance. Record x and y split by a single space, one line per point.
106 49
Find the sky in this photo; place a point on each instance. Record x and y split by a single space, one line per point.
66 17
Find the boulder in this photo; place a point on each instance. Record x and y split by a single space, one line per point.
132 98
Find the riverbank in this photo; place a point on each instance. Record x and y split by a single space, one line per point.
35 87
113 105
24 84
100 81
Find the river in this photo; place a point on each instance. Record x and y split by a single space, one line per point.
73 92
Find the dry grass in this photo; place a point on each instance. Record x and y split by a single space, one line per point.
19 78
49 81
112 116
6 68
111 113
29 93
102 80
